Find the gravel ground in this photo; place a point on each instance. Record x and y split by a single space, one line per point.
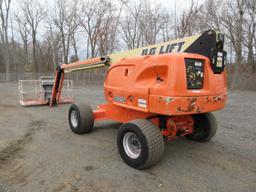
38 152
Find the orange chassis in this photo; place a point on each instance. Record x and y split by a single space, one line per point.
179 124
166 99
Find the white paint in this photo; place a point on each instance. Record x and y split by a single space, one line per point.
196 91
198 64
142 103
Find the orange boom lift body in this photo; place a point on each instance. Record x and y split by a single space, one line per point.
170 94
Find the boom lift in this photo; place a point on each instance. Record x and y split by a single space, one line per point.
160 92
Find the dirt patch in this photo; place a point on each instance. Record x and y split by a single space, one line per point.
13 148
88 168
66 186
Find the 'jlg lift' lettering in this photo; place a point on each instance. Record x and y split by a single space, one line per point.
164 49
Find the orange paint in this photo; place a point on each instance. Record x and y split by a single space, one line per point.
149 86
132 84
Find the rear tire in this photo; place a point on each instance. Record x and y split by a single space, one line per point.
205 127
81 119
140 143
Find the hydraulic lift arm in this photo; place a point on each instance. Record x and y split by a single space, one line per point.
67 68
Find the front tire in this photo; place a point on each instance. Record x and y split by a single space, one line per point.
205 127
81 119
140 143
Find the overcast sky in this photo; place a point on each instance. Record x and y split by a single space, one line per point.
180 4
172 5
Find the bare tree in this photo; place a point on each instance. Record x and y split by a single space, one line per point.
233 21
93 19
4 15
167 29
187 20
107 32
55 42
207 16
24 33
130 29
75 47
151 22
65 20
33 13
250 34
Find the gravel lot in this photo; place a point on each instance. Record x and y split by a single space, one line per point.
38 151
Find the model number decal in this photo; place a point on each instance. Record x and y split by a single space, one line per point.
119 99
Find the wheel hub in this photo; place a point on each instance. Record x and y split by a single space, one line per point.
74 118
132 145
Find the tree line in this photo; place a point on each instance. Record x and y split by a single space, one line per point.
36 36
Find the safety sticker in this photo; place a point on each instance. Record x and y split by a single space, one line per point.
142 103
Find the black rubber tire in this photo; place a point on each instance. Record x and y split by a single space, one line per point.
205 127
85 118
151 139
